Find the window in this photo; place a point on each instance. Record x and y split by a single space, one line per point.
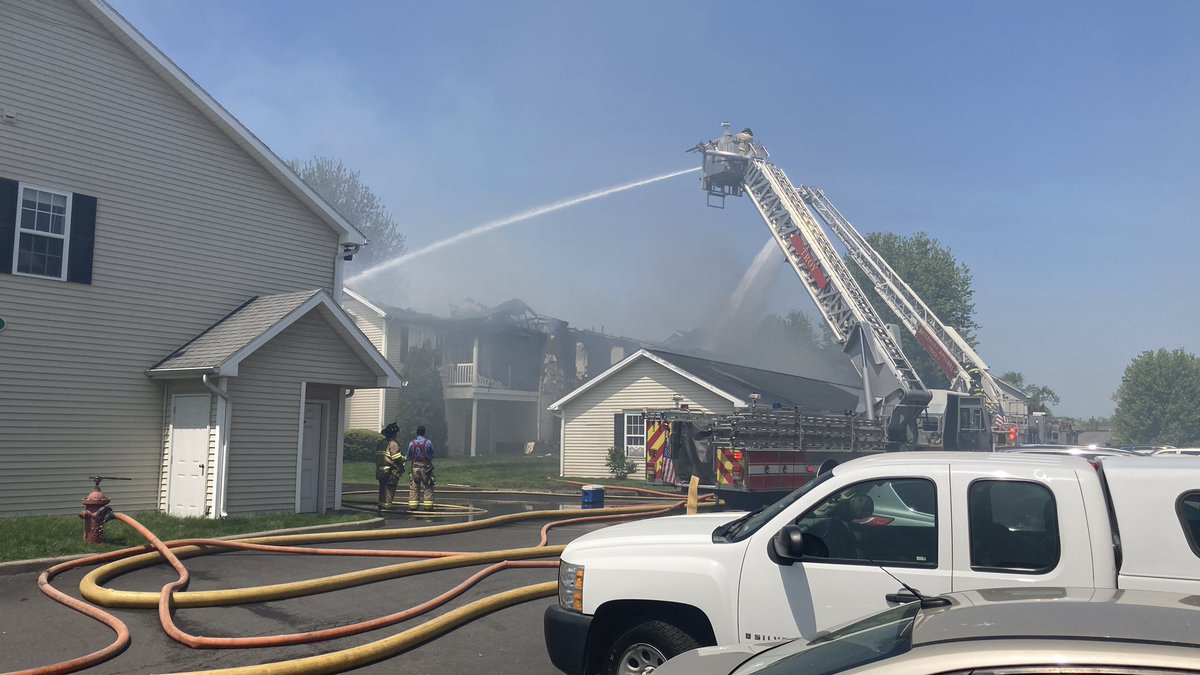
1013 527
635 436
43 219
870 522
1188 510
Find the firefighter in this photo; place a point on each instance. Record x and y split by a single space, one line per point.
976 380
389 464
743 139
420 475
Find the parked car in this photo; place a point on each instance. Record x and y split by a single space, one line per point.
1145 449
633 595
1085 451
1063 630
1169 452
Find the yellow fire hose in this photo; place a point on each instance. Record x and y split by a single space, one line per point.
92 588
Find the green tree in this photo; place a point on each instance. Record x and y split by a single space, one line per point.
793 328
422 402
344 190
1158 402
938 278
1040 398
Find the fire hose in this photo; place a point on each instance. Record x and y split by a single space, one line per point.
172 595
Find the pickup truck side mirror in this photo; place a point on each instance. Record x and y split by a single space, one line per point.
787 546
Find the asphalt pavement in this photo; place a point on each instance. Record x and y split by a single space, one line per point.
35 630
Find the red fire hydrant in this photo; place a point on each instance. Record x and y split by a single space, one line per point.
96 512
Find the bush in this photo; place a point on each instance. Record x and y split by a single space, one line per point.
618 464
360 445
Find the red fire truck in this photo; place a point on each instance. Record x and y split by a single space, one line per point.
753 457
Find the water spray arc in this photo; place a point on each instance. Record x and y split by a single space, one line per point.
509 220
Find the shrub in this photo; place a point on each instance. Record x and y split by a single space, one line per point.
618 464
360 445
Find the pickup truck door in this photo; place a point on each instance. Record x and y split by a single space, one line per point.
1023 526
898 517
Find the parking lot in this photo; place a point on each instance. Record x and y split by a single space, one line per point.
40 631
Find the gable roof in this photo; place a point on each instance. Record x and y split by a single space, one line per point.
736 383
174 76
222 347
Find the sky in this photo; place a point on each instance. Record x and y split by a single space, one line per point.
1053 147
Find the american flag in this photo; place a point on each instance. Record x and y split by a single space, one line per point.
1001 418
668 466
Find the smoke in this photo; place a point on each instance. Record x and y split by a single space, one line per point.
747 304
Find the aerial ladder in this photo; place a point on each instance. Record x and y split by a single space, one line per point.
953 355
892 390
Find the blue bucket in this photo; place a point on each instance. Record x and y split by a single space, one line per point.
592 496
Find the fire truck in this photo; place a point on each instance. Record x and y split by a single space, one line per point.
893 393
754 456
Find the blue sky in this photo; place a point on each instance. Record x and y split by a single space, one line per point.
1054 147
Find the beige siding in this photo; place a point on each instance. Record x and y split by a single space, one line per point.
266 411
365 408
588 420
188 228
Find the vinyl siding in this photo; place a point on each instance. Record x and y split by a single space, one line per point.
266 412
365 408
588 420
188 227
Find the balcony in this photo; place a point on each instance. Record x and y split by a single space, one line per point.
463 380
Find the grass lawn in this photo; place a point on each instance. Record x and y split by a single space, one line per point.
492 471
51 536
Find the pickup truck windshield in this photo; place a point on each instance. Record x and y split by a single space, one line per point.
872 639
737 531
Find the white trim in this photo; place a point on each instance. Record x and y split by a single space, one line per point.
300 442
65 236
195 94
557 405
562 446
343 413
224 421
357 296
388 376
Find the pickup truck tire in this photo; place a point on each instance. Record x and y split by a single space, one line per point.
645 645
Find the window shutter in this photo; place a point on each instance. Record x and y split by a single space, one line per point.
619 431
9 189
83 239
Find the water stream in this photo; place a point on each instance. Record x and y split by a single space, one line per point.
509 220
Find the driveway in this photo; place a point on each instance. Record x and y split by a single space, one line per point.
34 630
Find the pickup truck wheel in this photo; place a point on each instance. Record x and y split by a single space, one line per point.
646 646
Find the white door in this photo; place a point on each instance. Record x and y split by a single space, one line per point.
900 521
311 450
189 454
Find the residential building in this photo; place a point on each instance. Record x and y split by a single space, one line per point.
169 288
607 411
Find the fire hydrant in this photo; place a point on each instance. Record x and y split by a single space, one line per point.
96 512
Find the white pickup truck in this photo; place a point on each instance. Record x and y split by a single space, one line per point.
633 595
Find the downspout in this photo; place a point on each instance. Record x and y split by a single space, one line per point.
341 448
224 418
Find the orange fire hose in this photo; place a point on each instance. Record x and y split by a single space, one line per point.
165 604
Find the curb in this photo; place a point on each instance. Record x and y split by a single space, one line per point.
40 564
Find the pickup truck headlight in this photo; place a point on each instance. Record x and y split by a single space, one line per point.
570 586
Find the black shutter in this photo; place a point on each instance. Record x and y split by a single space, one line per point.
619 431
83 239
9 189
